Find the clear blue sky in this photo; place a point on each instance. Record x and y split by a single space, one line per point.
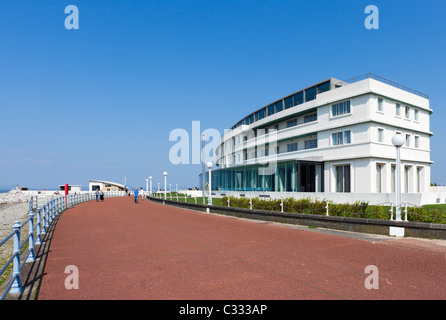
100 102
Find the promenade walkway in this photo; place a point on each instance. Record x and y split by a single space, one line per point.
124 250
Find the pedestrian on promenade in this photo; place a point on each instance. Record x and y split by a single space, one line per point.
97 195
141 193
136 195
102 195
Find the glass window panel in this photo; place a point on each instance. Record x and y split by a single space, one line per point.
310 94
347 136
279 106
323 87
271 109
310 117
298 98
288 102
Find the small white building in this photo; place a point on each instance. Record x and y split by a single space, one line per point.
105 186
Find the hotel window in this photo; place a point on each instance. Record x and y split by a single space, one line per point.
310 117
279 106
291 123
277 149
340 138
408 140
392 178
311 144
276 127
398 110
380 135
288 102
298 98
310 94
260 114
379 169
380 104
419 178
416 113
417 142
407 112
323 87
342 178
271 109
292 147
406 178
340 108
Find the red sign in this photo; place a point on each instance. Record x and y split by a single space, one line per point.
66 188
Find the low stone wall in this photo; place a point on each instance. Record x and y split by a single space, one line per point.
372 226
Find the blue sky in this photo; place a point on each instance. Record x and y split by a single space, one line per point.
99 102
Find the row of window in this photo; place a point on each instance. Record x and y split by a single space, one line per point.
399 110
286 103
408 144
415 186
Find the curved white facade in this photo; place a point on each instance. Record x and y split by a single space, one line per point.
338 141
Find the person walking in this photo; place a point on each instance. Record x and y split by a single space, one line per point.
102 195
136 195
97 195
141 193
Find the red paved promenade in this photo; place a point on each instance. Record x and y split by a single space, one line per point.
139 251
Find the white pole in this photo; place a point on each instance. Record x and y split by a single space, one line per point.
398 184
210 187
398 140
165 185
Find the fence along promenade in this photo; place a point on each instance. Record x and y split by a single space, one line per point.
39 221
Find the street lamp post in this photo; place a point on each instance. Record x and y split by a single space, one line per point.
398 140
150 178
165 185
147 185
202 166
209 164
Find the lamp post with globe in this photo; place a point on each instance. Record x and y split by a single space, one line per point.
398 140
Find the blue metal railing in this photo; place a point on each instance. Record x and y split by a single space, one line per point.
44 217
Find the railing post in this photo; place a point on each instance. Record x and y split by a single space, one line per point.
405 211
326 207
16 287
229 203
43 221
47 216
391 210
31 257
250 202
39 227
48 212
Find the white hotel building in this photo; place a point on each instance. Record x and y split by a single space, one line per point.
333 140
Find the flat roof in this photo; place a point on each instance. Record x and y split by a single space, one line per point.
108 182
